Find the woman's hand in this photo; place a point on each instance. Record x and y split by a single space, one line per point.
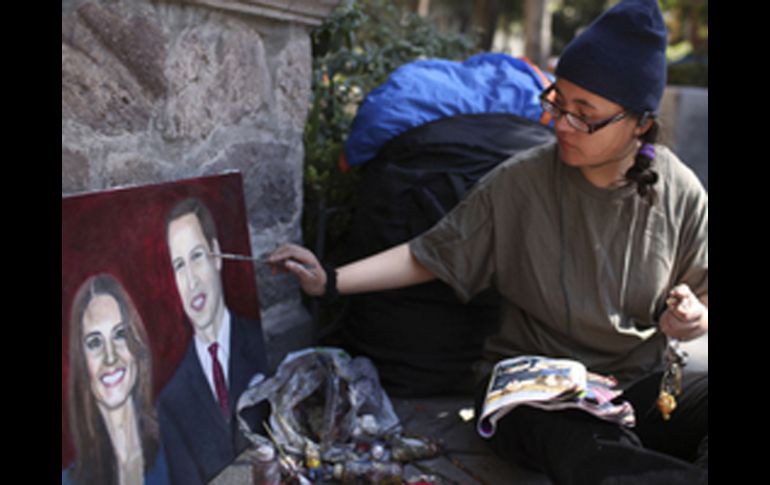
686 317
390 269
302 263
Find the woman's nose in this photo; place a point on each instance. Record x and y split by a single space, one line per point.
561 124
110 356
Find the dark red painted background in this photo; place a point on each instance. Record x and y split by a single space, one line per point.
122 232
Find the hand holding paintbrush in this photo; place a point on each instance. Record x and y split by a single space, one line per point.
293 259
243 257
304 264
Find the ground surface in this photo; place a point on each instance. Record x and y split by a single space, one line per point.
466 458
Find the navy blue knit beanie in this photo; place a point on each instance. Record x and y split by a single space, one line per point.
621 56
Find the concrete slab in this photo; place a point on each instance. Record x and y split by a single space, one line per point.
466 458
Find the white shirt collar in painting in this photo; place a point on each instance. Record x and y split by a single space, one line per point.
223 352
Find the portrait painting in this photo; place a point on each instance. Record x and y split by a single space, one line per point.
146 284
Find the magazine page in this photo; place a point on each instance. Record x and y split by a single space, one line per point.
622 414
529 379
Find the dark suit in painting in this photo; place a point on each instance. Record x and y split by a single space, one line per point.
198 441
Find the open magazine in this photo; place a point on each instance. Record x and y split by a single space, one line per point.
550 384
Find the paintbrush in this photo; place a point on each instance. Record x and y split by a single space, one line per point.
243 257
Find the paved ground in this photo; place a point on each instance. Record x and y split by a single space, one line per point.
466 459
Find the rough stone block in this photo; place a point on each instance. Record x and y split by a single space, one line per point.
124 169
291 67
99 96
217 76
111 68
270 181
74 171
287 327
275 288
137 42
272 192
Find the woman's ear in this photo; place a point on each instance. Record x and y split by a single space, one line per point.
644 124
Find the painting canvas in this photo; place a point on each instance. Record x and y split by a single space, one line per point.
119 239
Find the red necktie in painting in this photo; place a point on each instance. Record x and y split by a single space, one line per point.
219 380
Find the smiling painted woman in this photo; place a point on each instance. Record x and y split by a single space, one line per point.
112 418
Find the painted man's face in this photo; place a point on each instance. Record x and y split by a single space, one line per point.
111 366
196 272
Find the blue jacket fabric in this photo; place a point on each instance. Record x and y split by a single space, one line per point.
427 90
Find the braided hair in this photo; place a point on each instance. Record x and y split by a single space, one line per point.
641 172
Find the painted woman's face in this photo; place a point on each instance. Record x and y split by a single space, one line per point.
112 368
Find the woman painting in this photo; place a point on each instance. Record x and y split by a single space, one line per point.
598 246
112 419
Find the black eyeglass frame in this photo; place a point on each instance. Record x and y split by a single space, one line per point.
557 112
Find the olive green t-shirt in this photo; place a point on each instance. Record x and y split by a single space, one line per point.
583 272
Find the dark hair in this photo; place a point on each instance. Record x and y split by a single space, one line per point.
193 205
95 458
641 172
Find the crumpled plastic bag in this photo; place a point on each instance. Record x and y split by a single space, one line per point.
324 396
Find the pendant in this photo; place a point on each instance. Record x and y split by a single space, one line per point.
671 383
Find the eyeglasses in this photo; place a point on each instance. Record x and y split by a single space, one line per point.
574 120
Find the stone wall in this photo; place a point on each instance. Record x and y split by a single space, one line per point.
154 91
